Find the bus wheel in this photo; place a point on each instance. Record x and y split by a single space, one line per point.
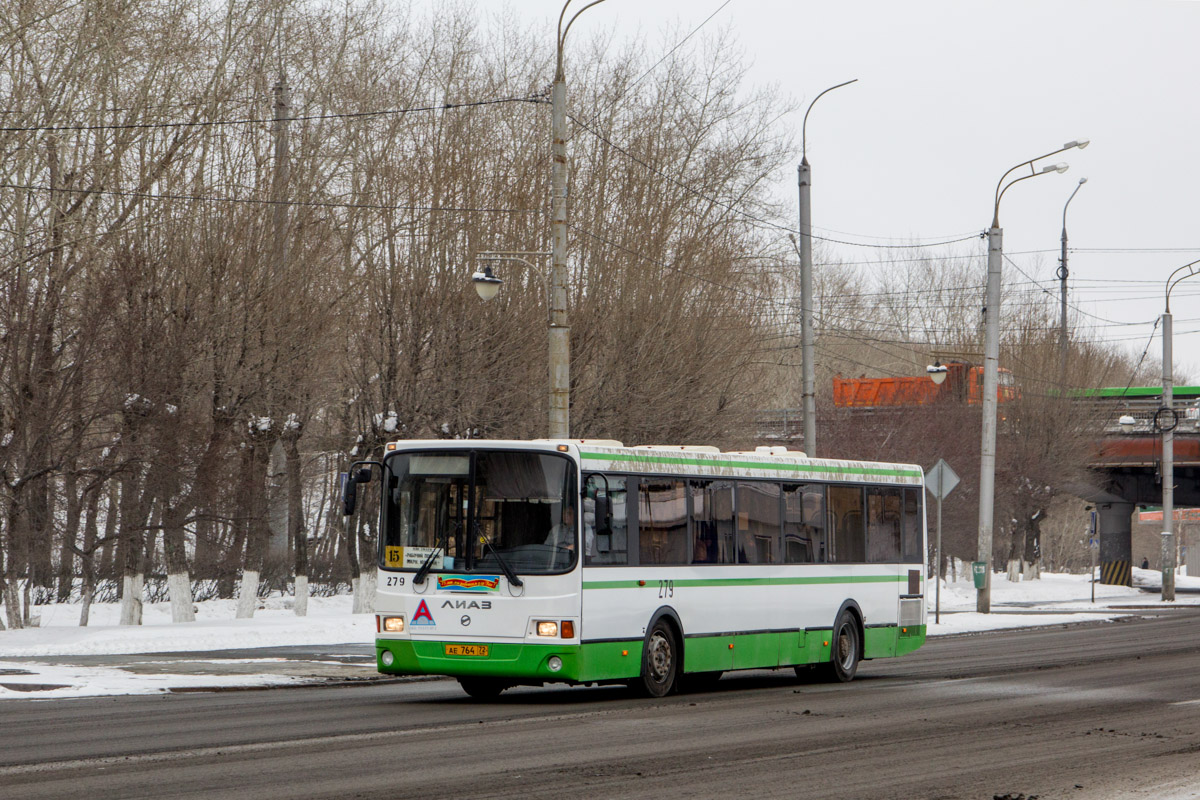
846 650
660 662
482 688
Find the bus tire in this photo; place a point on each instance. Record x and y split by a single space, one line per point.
483 688
846 649
660 662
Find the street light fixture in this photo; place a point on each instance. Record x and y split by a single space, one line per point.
991 366
487 285
807 350
1165 419
937 372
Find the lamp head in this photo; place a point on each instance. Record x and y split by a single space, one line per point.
1082 181
487 285
1127 422
937 372
1062 167
1080 143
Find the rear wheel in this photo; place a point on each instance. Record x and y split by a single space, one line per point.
846 651
483 688
660 662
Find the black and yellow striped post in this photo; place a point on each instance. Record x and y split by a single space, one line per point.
1116 573
1116 543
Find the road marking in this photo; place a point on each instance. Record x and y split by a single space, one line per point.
1187 703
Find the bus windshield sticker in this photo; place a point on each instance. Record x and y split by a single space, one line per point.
415 557
478 583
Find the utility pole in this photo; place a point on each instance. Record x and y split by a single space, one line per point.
991 371
1062 277
807 350
560 331
280 176
1167 424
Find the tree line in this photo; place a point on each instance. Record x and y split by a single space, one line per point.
235 248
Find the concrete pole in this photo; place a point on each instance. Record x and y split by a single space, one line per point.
560 331
809 396
937 606
1168 467
987 449
1062 323
1062 277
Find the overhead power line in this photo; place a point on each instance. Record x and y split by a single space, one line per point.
265 202
272 120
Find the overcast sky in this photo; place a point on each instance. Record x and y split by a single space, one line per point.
952 93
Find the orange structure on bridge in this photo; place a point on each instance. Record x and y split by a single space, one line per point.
963 384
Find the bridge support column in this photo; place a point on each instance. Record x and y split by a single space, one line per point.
1116 543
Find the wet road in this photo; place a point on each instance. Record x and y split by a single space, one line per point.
1106 710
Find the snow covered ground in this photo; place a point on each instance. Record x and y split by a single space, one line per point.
1055 599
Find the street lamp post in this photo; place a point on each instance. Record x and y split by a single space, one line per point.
1062 277
487 284
807 368
1165 420
991 367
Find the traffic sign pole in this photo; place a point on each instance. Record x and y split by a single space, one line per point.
940 481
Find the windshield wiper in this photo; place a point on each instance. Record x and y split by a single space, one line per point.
427 566
423 572
508 572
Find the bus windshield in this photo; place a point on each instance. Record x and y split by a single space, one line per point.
477 511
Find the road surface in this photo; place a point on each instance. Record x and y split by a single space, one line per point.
1103 710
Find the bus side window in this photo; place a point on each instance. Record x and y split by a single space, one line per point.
804 524
883 524
849 533
758 522
913 519
609 537
662 522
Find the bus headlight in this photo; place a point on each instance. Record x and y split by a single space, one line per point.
393 624
547 628
555 663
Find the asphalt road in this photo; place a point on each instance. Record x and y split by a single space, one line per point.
1104 710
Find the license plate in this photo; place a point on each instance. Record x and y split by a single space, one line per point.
466 649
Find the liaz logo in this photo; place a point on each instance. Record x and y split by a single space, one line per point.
481 605
480 583
422 616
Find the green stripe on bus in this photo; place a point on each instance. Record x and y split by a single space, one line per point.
698 462
682 582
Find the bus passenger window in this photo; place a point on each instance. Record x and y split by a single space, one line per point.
804 539
883 525
605 541
662 522
913 520
704 526
846 515
758 522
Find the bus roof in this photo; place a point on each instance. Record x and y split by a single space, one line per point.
764 462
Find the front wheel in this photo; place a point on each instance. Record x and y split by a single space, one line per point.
483 688
660 662
846 651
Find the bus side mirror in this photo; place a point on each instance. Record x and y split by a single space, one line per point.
350 490
349 495
603 515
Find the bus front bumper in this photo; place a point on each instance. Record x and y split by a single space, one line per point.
517 660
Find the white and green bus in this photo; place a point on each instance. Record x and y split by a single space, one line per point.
507 563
